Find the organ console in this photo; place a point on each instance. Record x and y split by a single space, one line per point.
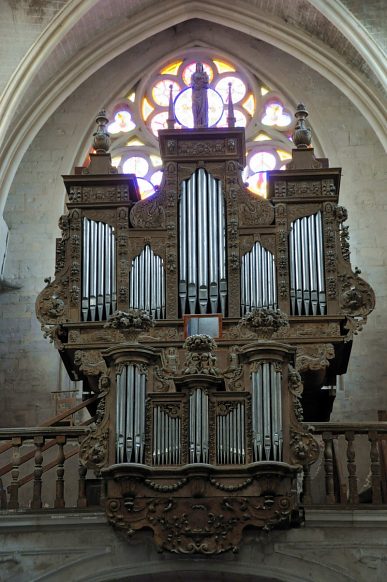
197 438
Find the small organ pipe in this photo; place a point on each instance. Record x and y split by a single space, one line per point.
100 269
307 281
127 379
258 279
222 249
274 413
113 274
93 270
183 246
147 283
108 271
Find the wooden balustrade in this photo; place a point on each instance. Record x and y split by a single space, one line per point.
42 439
342 486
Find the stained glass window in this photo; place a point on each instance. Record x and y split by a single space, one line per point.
143 112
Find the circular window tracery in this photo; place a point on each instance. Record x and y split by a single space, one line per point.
137 119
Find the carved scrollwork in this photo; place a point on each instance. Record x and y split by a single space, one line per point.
93 450
90 362
357 298
51 304
314 357
148 213
255 210
304 448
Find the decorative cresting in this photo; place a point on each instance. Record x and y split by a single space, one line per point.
306 258
99 295
202 245
147 283
258 279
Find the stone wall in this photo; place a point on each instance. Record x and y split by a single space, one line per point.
29 363
339 545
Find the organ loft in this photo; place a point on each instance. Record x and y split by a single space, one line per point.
211 325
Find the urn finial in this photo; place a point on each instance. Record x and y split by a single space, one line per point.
101 141
302 135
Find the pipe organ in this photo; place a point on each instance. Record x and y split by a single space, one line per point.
258 279
307 277
130 414
202 245
147 286
99 297
199 426
266 412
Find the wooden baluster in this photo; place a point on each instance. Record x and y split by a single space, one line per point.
36 502
351 465
59 497
14 486
82 500
307 486
375 468
328 465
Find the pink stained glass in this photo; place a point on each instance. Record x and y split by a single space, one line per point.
145 187
262 162
238 88
191 68
159 121
160 91
257 183
135 165
122 122
275 115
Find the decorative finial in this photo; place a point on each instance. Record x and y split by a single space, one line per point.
230 108
171 110
199 84
302 135
101 141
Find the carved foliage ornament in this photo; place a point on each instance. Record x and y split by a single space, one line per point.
202 514
357 298
51 304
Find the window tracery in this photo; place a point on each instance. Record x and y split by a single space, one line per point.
137 119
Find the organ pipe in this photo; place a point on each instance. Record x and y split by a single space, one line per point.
307 281
146 283
258 279
230 436
98 271
130 414
267 437
198 426
202 240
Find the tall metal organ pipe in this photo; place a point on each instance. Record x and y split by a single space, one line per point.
99 299
198 426
147 283
266 410
258 279
130 414
202 238
307 279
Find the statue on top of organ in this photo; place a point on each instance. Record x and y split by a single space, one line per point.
209 321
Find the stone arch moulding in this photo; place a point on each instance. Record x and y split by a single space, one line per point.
143 25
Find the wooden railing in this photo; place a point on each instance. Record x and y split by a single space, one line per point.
41 439
351 470
352 465
26 454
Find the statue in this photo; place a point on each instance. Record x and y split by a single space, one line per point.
199 83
